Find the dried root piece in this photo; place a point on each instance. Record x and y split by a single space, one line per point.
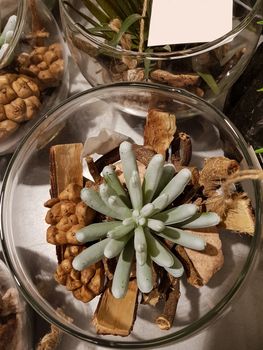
200 266
181 150
116 316
159 130
166 319
45 63
177 80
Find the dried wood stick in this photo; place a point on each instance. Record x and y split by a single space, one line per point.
166 319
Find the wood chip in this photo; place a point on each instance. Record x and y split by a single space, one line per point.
159 130
116 316
240 217
203 264
65 167
177 80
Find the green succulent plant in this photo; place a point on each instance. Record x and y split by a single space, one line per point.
144 217
7 34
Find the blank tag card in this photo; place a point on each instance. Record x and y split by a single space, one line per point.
189 21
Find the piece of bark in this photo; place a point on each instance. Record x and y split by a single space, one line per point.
159 130
116 316
215 171
202 265
160 287
142 154
239 216
166 319
176 80
181 149
65 168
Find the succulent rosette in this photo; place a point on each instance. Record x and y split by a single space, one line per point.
143 216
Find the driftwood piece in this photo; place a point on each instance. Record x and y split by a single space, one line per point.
116 316
177 80
181 149
159 130
166 319
202 265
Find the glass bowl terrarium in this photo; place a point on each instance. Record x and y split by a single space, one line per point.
94 253
32 67
109 45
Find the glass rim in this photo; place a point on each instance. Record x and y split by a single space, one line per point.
36 301
21 15
202 48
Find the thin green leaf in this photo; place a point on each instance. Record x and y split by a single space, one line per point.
107 8
260 90
129 21
260 22
210 81
101 16
83 15
260 150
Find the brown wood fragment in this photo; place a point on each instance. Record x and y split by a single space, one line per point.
116 316
204 264
159 130
95 173
65 167
177 80
193 276
181 149
166 319
239 216
142 154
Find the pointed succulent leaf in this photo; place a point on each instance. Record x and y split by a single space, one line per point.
113 181
152 177
167 175
90 255
178 214
201 221
184 238
122 272
144 276
96 231
120 231
155 225
116 204
94 201
158 252
115 246
135 190
177 269
128 160
147 210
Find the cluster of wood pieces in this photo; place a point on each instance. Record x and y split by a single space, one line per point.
67 213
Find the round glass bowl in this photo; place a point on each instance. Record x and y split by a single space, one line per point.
206 69
122 108
15 327
32 53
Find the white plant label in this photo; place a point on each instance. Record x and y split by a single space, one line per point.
189 21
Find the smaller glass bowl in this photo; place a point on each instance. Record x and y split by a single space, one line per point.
218 63
24 42
15 326
122 108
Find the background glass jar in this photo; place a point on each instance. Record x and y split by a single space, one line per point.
207 69
33 74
